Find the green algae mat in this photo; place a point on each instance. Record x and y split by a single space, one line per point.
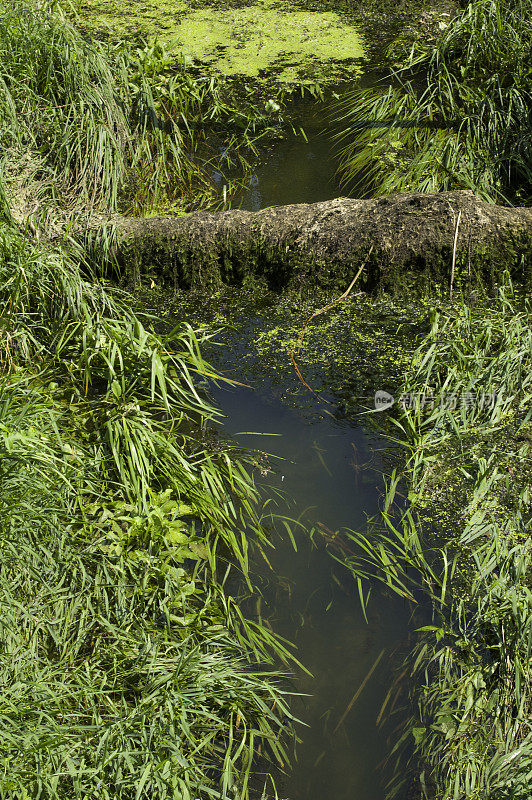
257 40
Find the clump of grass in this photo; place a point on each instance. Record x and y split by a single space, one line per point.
95 125
473 371
120 674
126 669
469 686
61 103
457 116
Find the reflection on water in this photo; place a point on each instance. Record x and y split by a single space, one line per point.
304 169
330 470
294 171
296 168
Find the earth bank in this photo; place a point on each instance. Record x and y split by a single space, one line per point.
394 243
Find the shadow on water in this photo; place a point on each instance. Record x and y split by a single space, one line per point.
331 471
303 168
295 169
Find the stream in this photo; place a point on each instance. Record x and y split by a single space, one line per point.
331 471
295 169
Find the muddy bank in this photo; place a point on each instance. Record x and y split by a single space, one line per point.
401 242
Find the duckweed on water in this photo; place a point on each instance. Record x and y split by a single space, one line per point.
252 40
346 354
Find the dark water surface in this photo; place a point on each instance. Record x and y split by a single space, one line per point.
304 169
295 169
330 471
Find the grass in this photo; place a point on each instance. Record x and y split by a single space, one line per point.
469 688
456 116
90 125
127 669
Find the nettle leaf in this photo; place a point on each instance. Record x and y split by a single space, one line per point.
180 554
183 510
446 725
188 588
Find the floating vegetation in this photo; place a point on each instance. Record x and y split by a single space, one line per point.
251 40
347 354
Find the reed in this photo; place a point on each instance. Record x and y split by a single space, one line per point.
92 125
469 684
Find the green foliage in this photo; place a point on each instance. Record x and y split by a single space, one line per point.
119 675
470 670
126 669
456 117
480 356
62 102
102 126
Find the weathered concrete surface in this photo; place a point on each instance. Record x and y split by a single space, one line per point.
405 240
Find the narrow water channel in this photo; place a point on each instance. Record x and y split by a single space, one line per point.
298 169
303 168
331 473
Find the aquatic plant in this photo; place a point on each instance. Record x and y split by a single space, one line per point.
456 115
255 44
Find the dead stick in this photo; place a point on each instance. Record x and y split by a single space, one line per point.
343 296
359 690
454 254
